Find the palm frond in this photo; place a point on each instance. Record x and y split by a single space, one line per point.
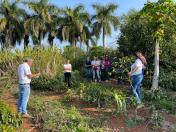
3 23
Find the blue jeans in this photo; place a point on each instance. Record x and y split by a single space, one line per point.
23 97
107 73
88 74
136 86
96 74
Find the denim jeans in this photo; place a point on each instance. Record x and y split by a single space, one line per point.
96 73
88 74
107 73
136 86
23 97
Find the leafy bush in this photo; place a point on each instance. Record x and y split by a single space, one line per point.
75 55
121 67
77 79
133 120
56 83
69 95
167 80
161 100
9 121
99 51
46 82
120 100
102 96
96 93
54 116
157 119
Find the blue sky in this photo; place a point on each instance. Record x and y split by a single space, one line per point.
124 7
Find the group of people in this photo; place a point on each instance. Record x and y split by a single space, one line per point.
98 69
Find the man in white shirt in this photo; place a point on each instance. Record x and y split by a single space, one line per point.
24 79
96 68
67 72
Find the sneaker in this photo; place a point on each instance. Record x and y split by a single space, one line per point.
26 116
140 106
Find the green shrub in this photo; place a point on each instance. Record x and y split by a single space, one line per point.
99 51
77 79
97 93
120 100
167 80
46 82
75 55
54 116
134 120
9 121
56 83
161 100
121 67
157 119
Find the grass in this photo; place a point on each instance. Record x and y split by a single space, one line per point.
54 115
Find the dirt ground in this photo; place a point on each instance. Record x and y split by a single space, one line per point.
115 123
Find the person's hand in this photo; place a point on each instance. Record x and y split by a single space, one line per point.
129 74
37 75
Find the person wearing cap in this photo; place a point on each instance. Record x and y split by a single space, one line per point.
24 79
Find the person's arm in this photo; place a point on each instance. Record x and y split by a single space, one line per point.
133 70
144 61
92 64
28 73
33 75
137 65
86 65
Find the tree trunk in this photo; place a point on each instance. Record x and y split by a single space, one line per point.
156 67
7 39
73 43
41 39
26 41
80 45
51 40
104 37
87 45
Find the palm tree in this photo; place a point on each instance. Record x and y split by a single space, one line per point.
11 22
38 23
104 20
53 28
73 24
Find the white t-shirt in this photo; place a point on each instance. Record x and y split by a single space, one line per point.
138 63
96 63
67 67
23 71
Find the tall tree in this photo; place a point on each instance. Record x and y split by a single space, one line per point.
160 15
104 20
73 22
37 24
11 22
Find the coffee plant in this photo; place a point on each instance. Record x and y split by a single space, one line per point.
9 121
